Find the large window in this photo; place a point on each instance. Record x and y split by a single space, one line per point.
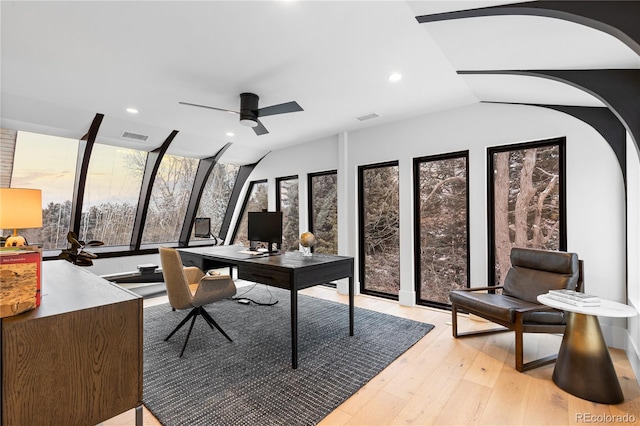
47 163
169 199
441 226
323 211
526 186
256 201
216 194
287 203
111 194
379 242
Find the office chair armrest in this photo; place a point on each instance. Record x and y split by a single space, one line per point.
213 288
193 274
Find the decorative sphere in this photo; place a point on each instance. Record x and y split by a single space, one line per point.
307 239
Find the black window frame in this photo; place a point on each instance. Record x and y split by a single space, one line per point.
416 223
361 239
310 206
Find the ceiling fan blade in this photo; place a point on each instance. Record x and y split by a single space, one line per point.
208 107
260 129
279 109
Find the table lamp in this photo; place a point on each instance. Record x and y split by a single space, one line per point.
20 208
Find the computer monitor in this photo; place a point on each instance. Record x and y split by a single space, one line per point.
265 227
202 227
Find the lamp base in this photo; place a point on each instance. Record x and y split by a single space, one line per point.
15 241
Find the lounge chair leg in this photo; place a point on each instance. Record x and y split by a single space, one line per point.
454 320
519 343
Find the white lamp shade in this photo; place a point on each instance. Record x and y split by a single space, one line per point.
20 208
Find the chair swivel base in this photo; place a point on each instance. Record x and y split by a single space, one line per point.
193 314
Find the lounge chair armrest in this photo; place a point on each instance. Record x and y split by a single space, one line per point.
541 308
497 287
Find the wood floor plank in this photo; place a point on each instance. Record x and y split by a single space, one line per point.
380 409
488 364
508 402
428 401
475 399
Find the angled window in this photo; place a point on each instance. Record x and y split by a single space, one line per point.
47 163
216 195
441 226
379 226
256 201
323 211
111 194
169 199
527 206
287 203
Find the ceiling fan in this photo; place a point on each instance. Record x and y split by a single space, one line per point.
249 111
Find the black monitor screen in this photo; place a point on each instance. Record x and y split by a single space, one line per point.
265 227
202 228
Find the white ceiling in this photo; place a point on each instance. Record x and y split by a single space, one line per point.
63 62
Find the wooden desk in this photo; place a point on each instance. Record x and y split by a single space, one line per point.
290 271
76 359
584 366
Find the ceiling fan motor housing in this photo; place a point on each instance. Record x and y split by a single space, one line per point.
249 109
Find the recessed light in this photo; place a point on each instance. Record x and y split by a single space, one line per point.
230 134
396 76
132 110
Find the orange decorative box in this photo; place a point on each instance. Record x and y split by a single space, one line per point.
19 280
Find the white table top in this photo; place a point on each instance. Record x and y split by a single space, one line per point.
607 308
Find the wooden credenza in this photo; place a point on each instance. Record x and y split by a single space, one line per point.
76 359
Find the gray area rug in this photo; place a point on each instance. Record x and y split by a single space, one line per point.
250 381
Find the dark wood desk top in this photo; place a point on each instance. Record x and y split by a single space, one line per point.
289 270
286 260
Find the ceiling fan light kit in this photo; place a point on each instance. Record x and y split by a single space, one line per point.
249 109
249 122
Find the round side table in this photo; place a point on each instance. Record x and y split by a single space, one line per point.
584 366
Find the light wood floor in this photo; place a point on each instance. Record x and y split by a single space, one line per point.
447 381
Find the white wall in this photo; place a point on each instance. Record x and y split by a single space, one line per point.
633 250
595 190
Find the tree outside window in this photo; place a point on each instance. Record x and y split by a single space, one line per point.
256 201
379 229
527 188
323 211
287 203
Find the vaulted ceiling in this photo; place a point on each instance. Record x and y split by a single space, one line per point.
65 62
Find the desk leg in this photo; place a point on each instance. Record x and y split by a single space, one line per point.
584 366
351 297
294 328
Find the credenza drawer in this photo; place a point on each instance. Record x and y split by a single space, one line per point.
264 276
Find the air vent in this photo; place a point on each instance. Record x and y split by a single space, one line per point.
134 136
368 117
